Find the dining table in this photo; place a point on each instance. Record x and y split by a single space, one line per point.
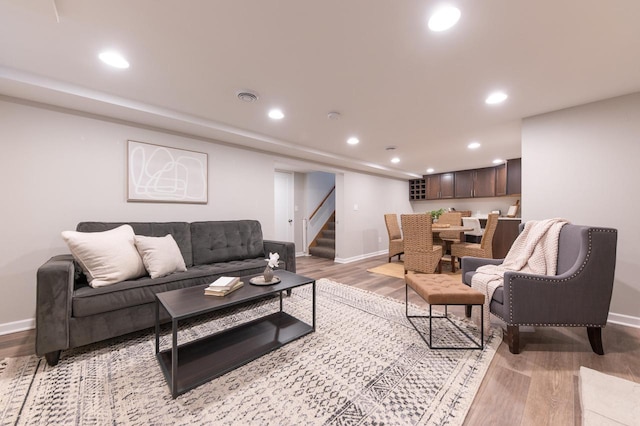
435 229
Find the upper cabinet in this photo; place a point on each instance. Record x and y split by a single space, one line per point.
440 186
514 176
475 183
484 182
487 182
508 178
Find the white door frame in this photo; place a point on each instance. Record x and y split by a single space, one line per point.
283 206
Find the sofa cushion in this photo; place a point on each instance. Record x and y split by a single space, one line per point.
160 255
180 231
106 257
222 241
90 301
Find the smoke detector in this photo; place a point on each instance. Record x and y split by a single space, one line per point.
248 96
333 115
390 148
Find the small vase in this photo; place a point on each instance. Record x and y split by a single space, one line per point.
267 274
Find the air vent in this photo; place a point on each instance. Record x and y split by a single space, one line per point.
248 96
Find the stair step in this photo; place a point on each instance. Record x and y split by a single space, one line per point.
331 225
326 242
329 234
320 251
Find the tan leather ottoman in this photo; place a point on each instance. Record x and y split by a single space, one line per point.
438 289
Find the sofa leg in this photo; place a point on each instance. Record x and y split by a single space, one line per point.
513 338
467 311
52 357
595 338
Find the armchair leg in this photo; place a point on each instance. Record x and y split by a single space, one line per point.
595 338
467 311
513 338
52 357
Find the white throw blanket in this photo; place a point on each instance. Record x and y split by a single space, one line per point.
535 251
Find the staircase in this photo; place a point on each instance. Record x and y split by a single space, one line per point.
325 243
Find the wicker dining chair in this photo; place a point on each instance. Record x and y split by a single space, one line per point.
449 218
396 243
484 249
420 255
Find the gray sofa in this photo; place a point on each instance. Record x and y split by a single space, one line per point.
578 295
70 313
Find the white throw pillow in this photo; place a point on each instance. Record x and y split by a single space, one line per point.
106 257
160 255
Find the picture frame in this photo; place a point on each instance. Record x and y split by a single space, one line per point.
161 174
513 210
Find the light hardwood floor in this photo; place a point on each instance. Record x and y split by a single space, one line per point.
537 387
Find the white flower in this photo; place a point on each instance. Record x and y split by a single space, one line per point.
273 260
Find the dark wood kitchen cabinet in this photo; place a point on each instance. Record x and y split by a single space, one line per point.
475 183
508 178
498 181
440 186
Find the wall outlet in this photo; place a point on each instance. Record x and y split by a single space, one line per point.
355 207
379 239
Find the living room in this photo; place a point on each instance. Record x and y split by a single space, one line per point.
62 165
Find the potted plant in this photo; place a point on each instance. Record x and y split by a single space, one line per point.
435 214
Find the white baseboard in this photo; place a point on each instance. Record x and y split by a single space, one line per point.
360 257
301 253
622 319
16 326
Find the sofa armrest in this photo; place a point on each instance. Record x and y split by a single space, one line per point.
54 290
286 250
569 299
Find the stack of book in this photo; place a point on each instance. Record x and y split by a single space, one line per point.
223 286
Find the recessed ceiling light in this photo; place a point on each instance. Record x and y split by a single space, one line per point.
444 18
496 98
498 161
395 160
276 114
353 140
474 145
430 170
114 59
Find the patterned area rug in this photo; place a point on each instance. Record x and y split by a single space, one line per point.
365 364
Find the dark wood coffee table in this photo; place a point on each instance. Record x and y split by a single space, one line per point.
191 364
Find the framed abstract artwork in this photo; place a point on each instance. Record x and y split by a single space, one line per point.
162 174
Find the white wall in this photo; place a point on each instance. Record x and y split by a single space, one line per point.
59 169
362 232
318 185
581 163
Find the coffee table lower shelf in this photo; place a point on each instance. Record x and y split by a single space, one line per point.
209 357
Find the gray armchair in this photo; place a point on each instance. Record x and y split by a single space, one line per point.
578 296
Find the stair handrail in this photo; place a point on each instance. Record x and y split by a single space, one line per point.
319 216
322 202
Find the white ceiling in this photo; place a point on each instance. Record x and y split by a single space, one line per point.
394 82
